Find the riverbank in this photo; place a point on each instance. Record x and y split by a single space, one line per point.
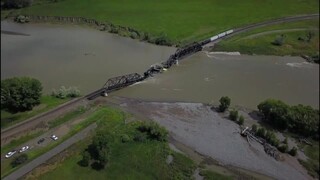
297 39
213 135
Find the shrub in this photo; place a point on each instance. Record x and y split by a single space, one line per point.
19 160
261 132
140 137
233 115
241 120
85 159
283 148
125 138
15 4
254 128
285 141
63 92
279 40
293 151
154 131
224 103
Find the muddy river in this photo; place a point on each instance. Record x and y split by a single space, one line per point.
84 57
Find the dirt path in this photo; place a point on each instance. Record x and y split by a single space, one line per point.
43 158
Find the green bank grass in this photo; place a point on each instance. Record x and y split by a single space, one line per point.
210 175
181 21
259 41
46 103
312 164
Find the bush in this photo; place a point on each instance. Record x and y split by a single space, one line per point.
254 128
279 40
224 103
261 132
85 159
293 151
20 94
154 131
140 137
285 141
125 138
19 160
233 115
241 120
63 92
283 148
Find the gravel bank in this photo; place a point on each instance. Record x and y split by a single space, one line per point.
208 133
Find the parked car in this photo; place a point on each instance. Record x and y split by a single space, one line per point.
41 140
24 148
11 153
54 137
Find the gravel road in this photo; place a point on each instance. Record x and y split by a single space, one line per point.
43 158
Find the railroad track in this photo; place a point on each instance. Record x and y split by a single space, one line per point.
13 130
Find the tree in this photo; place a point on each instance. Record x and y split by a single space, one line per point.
19 160
233 115
241 120
20 94
224 103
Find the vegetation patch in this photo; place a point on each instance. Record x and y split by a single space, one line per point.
126 158
295 38
210 175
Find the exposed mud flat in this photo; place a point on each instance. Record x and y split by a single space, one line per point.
210 134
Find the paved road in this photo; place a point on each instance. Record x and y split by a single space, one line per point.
43 158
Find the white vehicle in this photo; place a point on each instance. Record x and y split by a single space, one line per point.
24 148
54 137
11 153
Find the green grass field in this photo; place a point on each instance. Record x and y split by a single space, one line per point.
181 21
130 160
259 41
46 103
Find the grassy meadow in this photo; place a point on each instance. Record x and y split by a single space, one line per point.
181 21
127 160
259 41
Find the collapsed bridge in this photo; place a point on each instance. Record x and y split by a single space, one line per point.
123 81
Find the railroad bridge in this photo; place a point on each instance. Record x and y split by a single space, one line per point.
126 80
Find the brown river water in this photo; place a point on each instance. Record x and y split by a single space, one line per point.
84 57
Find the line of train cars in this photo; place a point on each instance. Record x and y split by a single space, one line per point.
221 35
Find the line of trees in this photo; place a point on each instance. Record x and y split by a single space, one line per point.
299 119
15 4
